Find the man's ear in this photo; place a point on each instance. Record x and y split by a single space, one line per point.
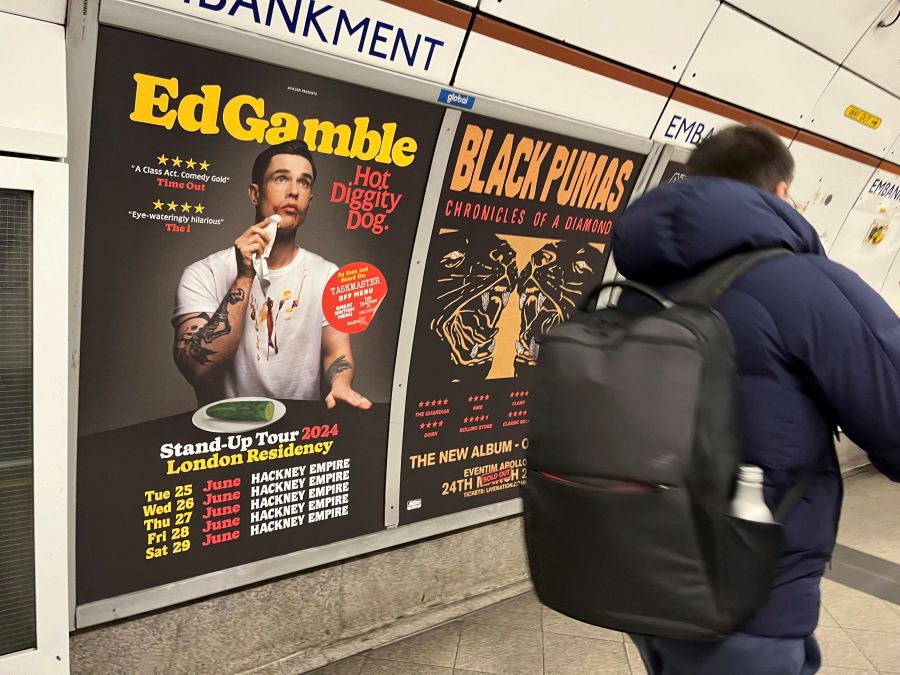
253 193
780 190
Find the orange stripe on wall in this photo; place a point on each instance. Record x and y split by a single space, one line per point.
434 9
837 148
538 45
717 107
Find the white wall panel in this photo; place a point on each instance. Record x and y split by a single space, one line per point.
890 290
826 186
831 28
870 237
830 116
511 73
877 55
688 118
424 43
893 154
657 36
33 73
744 62
44 10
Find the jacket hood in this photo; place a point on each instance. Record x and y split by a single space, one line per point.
678 229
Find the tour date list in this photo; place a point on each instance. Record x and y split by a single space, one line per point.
186 502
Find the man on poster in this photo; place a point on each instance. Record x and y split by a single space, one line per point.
239 335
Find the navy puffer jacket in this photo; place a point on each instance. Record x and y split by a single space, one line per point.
816 347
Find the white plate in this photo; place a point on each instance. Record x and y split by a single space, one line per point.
203 421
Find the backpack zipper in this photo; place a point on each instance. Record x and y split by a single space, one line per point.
622 487
635 338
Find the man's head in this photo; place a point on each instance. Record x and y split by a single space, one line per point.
282 183
752 154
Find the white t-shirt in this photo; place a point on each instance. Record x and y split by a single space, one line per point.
280 352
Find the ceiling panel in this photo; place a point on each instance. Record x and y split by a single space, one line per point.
638 33
45 10
831 28
747 63
514 74
856 112
33 66
877 55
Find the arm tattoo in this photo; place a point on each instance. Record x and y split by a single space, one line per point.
339 365
190 343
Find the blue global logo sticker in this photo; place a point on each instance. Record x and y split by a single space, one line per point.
456 99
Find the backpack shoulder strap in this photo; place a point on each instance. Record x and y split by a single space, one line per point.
709 285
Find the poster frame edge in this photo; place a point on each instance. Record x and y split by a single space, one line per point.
414 284
233 578
157 22
44 179
165 24
82 26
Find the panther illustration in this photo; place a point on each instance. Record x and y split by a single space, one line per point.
550 287
476 275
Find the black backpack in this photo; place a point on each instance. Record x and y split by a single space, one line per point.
631 468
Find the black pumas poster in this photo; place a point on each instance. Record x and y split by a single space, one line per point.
248 237
521 234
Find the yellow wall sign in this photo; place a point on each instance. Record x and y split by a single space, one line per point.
863 117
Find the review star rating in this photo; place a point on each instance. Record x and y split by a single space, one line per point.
177 161
173 206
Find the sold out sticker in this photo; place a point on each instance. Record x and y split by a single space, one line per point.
353 295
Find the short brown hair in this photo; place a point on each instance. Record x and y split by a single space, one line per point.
264 158
752 154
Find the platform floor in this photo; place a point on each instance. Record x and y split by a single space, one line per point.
859 631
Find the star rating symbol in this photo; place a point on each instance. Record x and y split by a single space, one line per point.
162 159
185 207
204 166
434 403
479 398
157 204
177 161
172 206
518 394
199 208
476 418
517 413
190 163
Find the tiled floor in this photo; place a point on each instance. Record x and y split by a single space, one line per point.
859 633
869 522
